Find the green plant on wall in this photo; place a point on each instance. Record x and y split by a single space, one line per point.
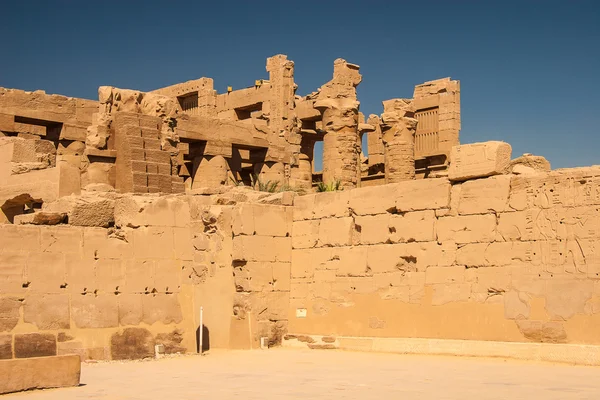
330 187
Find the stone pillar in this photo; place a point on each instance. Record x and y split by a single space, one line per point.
398 129
302 173
341 152
270 171
209 171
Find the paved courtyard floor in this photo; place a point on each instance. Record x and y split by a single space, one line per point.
327 374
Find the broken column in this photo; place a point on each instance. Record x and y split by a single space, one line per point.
339 107
209 172
398 129
303 175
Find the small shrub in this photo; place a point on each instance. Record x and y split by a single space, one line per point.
331 187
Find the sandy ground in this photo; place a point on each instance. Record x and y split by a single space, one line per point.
327 374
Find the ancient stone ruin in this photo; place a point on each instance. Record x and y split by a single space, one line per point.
122 217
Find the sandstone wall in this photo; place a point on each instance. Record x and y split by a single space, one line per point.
113 293
507 258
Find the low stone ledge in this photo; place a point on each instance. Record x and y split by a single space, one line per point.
576 354
39 373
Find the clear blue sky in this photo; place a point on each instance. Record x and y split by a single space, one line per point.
529 70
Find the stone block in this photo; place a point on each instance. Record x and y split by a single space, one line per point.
272 220
39 373
9 313
336 231
12 270
110 275
351 285
46 272
139 276
484 196
132 344
349 261
23 238
6 351
445 275
163 308
35 345
281 276
305 261
95 311
47 312
373 229
373 200
172 341
467 228
331 204
80 273
491 280
182 244
423 194
540 331
450 293
130 309
516 305
167 276
478 160
567 297
153 242
305 234
418 226
262 248
61 239
303 207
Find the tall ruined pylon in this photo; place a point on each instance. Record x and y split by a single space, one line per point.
339 107
398 131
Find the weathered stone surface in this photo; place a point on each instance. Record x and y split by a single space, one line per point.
478 160
529 164
48 312
9 313
95 311
516 305
171 341
424 194
132 344
483 196
35 345
6 351
336 231
565 298
418 226
39 373
540 331
373 229
467 229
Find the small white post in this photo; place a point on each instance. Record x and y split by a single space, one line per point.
201 330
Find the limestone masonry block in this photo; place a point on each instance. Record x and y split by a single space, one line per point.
424 194
483 196
305 234
262 248
373 200
417 226
35 345
336 231
306 261
331 204
478 160
95 311
373 229
48 312
39 373
467 229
